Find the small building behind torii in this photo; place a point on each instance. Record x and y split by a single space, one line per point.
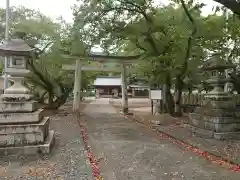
107 86
110 86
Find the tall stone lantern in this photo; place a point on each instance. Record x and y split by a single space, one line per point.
216 68
218 116
23 128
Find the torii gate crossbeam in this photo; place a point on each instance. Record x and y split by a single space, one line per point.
92 68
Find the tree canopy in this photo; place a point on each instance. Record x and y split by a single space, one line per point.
47 79
173 40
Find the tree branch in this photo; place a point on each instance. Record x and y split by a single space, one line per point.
233 5
148 19
190 39
139 46
39 74
139 8
44 48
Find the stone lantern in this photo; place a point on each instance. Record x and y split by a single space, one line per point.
23 128
218 116
216 69
17 51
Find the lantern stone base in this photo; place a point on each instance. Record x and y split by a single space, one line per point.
210 134
219 127
16 97
43 148
20 107
25 117
28 138
24 129
24 134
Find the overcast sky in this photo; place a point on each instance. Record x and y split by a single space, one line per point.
51 8
56 8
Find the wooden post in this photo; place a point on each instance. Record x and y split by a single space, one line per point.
77 87
124 90
152 107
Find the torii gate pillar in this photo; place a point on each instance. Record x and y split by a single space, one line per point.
124 90
77 87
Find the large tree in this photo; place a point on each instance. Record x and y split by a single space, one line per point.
162 36
47 79
172 40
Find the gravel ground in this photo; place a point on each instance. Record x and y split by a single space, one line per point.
68 161
132 152
132 102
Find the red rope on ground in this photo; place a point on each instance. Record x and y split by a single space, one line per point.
94 162
197 151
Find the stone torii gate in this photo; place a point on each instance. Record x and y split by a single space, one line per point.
122 63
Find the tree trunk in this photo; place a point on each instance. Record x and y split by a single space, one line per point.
178 104
169 100
189 91
189 94
160 103
61 100
58 102
50 98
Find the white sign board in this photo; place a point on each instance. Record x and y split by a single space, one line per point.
155 94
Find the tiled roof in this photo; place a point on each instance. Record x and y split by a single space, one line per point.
16 47
108 81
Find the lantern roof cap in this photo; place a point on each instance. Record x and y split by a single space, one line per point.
216 62
15 47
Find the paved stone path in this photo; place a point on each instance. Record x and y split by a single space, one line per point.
132 152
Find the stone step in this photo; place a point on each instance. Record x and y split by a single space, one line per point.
199 131
43 149
227 135
211 134
214 119
24 134
23 118
215 127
